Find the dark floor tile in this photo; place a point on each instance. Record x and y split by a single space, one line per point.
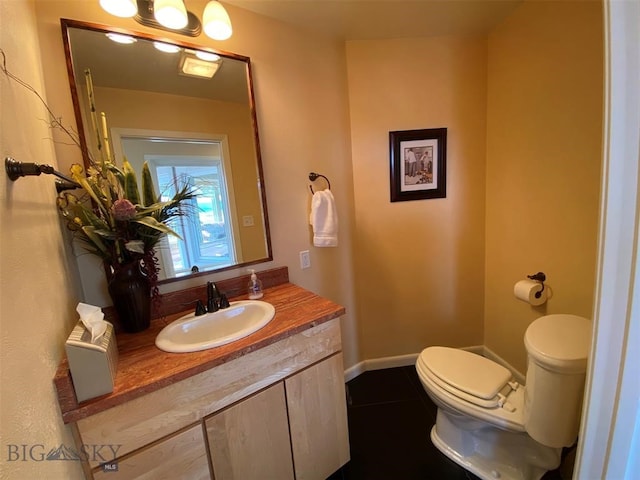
411 373
338 475
380 386
391 441
552 475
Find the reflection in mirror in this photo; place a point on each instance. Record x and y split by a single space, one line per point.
190 115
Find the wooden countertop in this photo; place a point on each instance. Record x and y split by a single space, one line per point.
144 368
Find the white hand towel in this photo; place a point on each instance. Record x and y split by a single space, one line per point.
324 219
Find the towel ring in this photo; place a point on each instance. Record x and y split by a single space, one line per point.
314 176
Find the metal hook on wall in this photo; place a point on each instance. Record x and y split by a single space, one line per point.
314 176
16 169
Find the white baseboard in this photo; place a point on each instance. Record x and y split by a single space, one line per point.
477 349
410 359
379 364
491 355
352 372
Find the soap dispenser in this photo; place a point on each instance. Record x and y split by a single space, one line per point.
255 286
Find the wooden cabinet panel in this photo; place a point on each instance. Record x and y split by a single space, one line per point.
250 440
318 419
181 456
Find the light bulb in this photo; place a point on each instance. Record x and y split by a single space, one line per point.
166 47
119 38
170 13
120 8
207 56
216 21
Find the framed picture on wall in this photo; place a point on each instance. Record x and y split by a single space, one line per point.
418 164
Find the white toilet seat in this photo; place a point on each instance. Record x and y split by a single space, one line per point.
469 376
472 385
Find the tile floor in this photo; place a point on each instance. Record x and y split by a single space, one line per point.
390 417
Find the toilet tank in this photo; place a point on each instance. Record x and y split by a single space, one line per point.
557 348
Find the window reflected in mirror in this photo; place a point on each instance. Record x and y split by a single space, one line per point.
209 236
206 234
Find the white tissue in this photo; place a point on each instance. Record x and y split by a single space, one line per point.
93 320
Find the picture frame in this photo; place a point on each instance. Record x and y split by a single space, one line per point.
418 164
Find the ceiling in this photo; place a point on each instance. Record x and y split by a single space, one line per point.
377 19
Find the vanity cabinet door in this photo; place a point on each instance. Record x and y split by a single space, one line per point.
180 456
250 440
318 419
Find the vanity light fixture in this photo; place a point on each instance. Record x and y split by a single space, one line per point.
173 16
170 13
120 8
217 23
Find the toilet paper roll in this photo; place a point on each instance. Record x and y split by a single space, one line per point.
526 290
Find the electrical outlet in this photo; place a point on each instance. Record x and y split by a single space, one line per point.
247 221
305 259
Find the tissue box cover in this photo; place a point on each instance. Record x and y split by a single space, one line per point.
92 366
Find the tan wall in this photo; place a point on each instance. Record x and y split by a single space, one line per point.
419 264
543 164
37 298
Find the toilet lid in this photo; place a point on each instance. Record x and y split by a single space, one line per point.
559 342
466 371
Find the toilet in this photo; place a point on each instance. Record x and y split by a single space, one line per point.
493 426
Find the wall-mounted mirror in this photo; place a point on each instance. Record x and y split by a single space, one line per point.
190 113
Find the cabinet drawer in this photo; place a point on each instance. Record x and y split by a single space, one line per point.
181 456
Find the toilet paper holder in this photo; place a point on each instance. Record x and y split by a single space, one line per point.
538 277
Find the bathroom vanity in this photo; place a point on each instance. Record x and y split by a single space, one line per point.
270 405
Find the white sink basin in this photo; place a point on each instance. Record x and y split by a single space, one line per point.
192 334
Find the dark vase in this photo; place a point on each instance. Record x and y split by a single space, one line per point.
130 290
